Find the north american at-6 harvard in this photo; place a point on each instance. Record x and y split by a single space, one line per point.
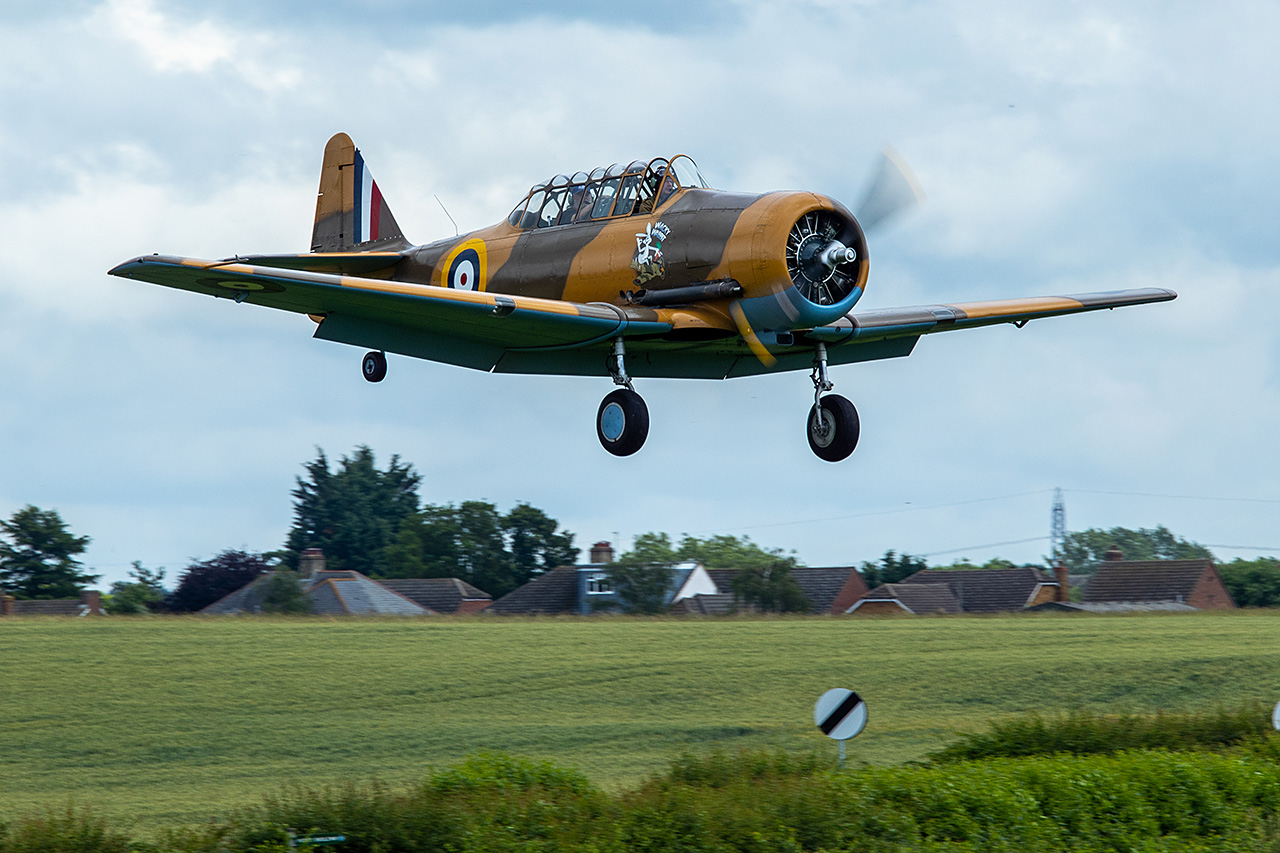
622 272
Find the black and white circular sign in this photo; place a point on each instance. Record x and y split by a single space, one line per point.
1275 718
840 713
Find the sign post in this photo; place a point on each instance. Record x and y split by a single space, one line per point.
296 840
1275 718
840 714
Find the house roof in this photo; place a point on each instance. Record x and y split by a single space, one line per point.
717 604
443 595
918 598
330 593
821 585
987 590
1146 580
351 593
555 591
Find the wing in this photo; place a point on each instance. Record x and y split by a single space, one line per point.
518 334
893 332
472 329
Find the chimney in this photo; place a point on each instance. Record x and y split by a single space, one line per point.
601 552
310 561
1114 554
6 605
1064 582
91 601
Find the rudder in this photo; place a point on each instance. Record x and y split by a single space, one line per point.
350 210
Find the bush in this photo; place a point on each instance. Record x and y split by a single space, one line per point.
71 830
1084 733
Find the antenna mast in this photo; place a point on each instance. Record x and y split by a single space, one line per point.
1057 527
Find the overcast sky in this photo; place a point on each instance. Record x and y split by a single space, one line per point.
1064 148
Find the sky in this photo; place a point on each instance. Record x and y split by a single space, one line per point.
1063 148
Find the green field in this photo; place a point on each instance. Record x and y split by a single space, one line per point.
173 720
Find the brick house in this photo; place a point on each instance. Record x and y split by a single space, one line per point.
1157 584
972 591
88 604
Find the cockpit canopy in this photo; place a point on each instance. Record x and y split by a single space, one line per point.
631 190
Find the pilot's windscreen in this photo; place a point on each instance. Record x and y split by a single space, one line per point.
627 196
604 200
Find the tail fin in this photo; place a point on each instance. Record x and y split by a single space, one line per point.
350 210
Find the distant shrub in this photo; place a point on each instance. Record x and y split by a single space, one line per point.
486 803
1084 733
72 830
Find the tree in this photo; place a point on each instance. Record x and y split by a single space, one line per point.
283 594
477 543
642 586
1253 583
770 588
144 594
535 544
729 552
203 583
37 556
652 548
891 568
1083 550
352 514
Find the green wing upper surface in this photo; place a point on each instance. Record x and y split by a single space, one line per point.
517 334
463 327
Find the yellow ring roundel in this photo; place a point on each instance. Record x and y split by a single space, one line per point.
466 266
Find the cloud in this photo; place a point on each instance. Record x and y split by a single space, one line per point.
1138 151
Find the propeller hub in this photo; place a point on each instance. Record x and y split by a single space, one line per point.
822 264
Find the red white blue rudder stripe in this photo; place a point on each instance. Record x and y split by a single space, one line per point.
368 204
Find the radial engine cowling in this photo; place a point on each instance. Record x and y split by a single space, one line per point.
825 254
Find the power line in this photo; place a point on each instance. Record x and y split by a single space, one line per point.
1176 497
873 513
988 545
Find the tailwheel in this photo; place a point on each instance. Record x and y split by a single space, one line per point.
374 366
833 428
622 423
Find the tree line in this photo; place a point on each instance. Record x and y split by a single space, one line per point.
374 521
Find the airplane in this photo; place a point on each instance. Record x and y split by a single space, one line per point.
628 271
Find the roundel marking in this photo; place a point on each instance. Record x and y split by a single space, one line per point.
465 266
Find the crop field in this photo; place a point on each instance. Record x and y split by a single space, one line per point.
171 721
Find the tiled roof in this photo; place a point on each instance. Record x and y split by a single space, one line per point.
917 598
443 595
706 605
330 593
820 585
1146 580
555 591
987 590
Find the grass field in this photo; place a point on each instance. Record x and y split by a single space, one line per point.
173 720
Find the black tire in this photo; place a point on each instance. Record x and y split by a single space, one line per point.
840 437
374 366
622 422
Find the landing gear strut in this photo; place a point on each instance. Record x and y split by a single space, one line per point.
374 366
622 422
833 426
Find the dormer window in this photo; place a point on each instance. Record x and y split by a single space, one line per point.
598 584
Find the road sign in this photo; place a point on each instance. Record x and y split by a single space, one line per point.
315 840
1275 718
840 713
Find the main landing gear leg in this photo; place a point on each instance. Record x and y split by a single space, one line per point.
622 422
833 421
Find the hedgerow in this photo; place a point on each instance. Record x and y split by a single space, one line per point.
752 802
1084 733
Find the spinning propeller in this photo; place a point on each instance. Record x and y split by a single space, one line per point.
816 252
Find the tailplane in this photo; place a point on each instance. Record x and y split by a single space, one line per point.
351 213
